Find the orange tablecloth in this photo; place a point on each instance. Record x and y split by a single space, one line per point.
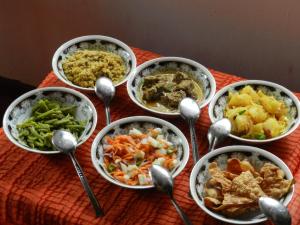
39 189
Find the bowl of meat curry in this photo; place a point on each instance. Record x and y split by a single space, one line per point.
160 84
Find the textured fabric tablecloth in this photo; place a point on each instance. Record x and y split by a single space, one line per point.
40 189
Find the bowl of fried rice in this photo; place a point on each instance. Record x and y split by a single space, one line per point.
81 61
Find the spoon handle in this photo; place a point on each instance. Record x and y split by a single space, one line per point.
86 186
212 145
107 115
194 143
183 216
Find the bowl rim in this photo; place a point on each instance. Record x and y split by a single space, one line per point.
263 83
132 119
55 89
237 148
87 38
146 64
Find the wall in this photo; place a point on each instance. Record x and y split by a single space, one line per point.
255 39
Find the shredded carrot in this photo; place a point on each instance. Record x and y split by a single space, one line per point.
129 150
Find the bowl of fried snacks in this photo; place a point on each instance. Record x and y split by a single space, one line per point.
30 120
227 183
124 151
259 111
82 60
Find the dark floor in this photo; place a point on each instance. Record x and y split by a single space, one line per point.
9 91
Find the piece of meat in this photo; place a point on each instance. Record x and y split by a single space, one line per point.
172 99
153 93
149 81
179 76
168 86
188 87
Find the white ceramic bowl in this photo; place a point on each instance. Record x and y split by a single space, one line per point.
100 42
141 122
199 73
218 103
20 109
196 180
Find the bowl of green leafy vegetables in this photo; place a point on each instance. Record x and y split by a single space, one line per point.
30 120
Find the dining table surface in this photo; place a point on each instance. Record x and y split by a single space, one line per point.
45 189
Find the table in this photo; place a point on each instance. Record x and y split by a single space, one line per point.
40 189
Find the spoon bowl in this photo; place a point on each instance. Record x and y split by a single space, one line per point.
105 90
275 211
64 141
190 111
218 132
163 181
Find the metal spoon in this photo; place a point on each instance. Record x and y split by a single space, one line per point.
66 143
190 111
275 211
217 132
105 90
163 181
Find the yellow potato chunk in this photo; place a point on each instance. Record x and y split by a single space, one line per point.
237 100
257 113
256 132
243 124
250 91
258 129
232 113
270 104
272 127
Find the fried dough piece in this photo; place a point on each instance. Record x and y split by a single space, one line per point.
234 199
231 203
213 193
229 175
235 205
236 190
274 184
212 203
245 185
218 179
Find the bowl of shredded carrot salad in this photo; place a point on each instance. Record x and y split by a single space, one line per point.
124 151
